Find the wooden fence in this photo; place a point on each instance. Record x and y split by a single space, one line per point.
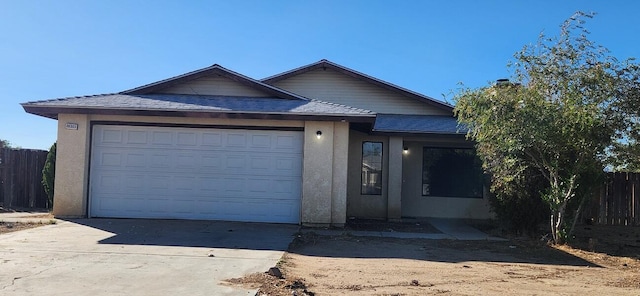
20 178
618 202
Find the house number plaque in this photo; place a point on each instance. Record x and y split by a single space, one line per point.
71 126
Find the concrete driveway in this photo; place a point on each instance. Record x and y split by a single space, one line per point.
137 257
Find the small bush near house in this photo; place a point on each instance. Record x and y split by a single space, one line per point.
48 174
519 208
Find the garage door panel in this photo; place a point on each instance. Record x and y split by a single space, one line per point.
161 138
210 162
160 160
212 139
110 183
162 172
110 159
286 165
236 140
186 161
187 139
136 137
136 160
134 183
110 136
261 141
157 184
236 162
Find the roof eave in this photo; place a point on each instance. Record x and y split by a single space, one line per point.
53 111
409 133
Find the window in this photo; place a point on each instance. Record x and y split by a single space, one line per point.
448 172
371 168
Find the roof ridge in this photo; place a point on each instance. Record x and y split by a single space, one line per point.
359 75
196 74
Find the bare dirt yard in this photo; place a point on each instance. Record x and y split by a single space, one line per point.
16 226
349 265
23 213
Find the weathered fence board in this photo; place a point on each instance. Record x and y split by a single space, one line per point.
619 203
20 178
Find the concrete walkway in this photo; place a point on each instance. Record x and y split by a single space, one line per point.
449 228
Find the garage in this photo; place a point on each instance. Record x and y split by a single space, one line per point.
230 173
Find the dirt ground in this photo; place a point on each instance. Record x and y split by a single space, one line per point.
600 260
10 227
16 226
339 265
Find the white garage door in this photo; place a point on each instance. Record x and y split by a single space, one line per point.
193 173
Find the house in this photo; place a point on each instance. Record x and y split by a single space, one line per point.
313 146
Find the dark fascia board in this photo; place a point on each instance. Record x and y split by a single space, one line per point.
408 134
324 64
52 112
213 70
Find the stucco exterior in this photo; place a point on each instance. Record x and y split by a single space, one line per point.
342 105
72 170
394 193
416 205
323 194
340 168
324 164
362 205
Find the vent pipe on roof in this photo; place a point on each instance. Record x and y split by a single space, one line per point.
502 82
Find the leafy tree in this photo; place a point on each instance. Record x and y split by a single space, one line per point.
48 174
624 154
5 143
560 116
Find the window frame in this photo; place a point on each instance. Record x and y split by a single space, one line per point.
422 180
363 191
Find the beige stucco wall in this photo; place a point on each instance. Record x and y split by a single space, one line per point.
72 157
394 192
416 205
324 173
324 166
339 185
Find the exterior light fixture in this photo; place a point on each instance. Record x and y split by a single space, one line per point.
405 150
319 134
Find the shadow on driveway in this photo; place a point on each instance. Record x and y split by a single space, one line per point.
443 250
187 233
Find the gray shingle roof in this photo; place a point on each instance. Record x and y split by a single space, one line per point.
156 87
424 124
200 103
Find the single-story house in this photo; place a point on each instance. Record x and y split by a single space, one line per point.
315 145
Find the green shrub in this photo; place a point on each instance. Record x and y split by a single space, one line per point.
48 174
521 209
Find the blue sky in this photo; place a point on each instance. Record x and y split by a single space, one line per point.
53 49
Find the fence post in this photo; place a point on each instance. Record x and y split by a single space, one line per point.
634 200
